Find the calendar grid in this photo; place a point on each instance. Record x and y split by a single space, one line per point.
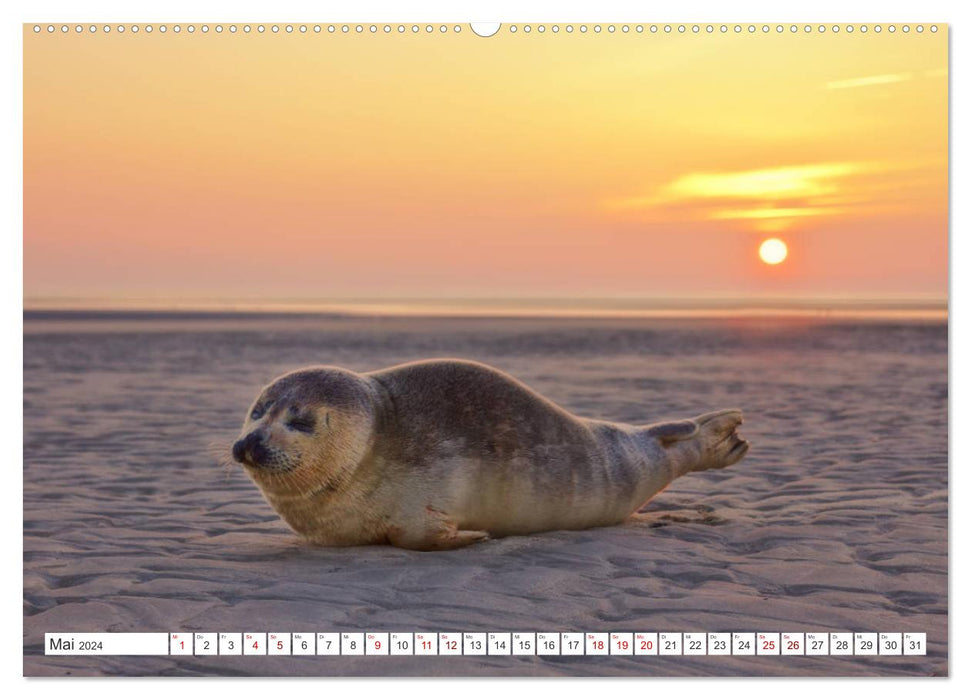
511 644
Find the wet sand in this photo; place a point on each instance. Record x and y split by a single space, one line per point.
835 521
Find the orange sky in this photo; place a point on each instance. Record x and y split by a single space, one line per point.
322 166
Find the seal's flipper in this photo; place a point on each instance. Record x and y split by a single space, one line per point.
675 431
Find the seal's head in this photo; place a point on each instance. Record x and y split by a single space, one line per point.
307 431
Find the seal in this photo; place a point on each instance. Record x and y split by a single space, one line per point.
440 454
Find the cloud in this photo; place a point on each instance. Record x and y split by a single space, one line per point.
769 198
868 80
773 212
770 183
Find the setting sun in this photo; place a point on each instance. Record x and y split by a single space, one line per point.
773 251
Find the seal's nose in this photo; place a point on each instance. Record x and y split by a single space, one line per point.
245 447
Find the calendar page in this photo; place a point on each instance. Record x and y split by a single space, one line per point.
435 348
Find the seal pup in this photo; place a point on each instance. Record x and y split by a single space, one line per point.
440 454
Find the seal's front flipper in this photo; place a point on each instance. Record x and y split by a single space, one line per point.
674 431
437 530
445 539
459 538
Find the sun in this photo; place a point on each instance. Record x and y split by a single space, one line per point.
773 251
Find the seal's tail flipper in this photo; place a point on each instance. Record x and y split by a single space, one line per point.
708 441
674 431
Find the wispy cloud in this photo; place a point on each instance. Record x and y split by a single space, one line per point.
770 183
770 198
772 212
868 80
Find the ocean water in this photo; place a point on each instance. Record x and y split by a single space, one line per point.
835 521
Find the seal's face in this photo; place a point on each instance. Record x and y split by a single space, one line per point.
306 431
275 431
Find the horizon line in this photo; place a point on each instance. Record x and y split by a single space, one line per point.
667 301
61 309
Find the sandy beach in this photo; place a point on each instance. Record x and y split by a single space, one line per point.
835 521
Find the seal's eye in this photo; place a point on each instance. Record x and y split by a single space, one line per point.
260 409
304 424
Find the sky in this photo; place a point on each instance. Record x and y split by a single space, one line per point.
328 166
